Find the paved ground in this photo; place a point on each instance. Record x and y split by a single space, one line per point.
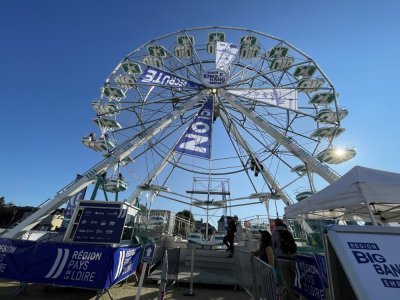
125 292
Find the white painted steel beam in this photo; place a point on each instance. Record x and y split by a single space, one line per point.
119 153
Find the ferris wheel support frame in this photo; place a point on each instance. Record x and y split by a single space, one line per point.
152 175
321 169
232 130
119 153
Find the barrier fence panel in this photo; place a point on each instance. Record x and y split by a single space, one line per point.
243 271
173 264
255 276
158 254
265 279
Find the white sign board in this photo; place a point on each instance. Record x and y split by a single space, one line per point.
370 258
286 98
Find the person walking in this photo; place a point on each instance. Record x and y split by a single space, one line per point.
285 251
229 238
265 251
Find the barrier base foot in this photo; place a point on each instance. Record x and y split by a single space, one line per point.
188 294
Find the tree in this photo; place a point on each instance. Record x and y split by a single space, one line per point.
2 201
187 227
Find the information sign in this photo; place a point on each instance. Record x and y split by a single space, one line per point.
100 225
369 257
148 253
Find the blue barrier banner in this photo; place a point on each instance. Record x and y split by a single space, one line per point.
323 270
126 261
197 138
152 76
14 257
309 282
64 264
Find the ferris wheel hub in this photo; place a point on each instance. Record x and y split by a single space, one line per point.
214 78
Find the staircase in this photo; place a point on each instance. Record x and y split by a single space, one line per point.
210 260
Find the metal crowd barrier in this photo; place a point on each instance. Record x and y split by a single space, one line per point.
173 264
255 276
170 271
158 254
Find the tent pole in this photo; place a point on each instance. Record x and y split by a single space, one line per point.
370 214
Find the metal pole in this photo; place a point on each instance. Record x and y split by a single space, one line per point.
164 277
370 214
191 272
139 289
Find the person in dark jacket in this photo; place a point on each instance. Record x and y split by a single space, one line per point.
286 262
265 251
229 238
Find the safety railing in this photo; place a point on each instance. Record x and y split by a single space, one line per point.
255 276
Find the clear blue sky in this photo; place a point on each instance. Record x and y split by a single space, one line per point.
55 55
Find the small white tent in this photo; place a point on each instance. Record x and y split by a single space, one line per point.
361 193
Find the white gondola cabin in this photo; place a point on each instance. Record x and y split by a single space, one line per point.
304 71
115 185
327 132
106 109
299 168
330 116
127 160
184 46
153 61
335 155
113 93
249 47
277 52
310 85
131 67
156 50
107 123
125 81
322 98
213 38
282 63
303 195
101 144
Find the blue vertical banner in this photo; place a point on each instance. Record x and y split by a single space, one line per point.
69 210
197 138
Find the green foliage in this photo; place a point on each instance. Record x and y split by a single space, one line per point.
186 214
185 228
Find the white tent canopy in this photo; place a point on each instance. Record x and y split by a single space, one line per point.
357 195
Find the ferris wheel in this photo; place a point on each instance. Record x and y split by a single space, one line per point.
216 102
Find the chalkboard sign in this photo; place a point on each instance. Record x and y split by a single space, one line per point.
100 225
98 222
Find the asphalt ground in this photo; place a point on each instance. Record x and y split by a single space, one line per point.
125 291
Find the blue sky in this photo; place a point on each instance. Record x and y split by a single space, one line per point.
55 56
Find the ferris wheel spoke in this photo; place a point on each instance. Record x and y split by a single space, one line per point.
323 170
272 183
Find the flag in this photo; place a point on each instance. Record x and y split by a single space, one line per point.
197 138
